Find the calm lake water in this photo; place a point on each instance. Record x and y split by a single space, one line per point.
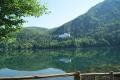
29 62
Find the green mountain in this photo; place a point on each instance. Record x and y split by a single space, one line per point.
103 18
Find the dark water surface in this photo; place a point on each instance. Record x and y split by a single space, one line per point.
32 62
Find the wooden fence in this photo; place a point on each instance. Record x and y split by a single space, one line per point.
76 75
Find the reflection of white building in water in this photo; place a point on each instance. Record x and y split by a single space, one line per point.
65 35
65 60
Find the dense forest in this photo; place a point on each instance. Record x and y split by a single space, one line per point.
98 27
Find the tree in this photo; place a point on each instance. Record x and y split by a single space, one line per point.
12 12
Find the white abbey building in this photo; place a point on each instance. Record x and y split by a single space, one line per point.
65 35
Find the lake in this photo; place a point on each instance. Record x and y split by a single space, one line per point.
32 62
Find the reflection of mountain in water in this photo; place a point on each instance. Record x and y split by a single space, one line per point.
84 60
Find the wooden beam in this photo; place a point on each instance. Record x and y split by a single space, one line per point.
98 74
38 76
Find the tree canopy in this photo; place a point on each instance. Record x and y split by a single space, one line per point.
13 11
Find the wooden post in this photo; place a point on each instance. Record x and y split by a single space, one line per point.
94 77
111 75
77 76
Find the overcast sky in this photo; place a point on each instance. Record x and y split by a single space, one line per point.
62 11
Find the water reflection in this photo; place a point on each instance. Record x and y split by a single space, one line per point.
65 60
59 61
10 72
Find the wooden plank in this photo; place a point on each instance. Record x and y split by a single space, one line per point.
98 74
92 74
38 76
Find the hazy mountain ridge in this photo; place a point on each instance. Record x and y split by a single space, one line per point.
35 30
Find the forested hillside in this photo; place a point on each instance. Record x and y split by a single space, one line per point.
98 18
101 24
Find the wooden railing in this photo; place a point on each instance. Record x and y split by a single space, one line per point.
76 75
